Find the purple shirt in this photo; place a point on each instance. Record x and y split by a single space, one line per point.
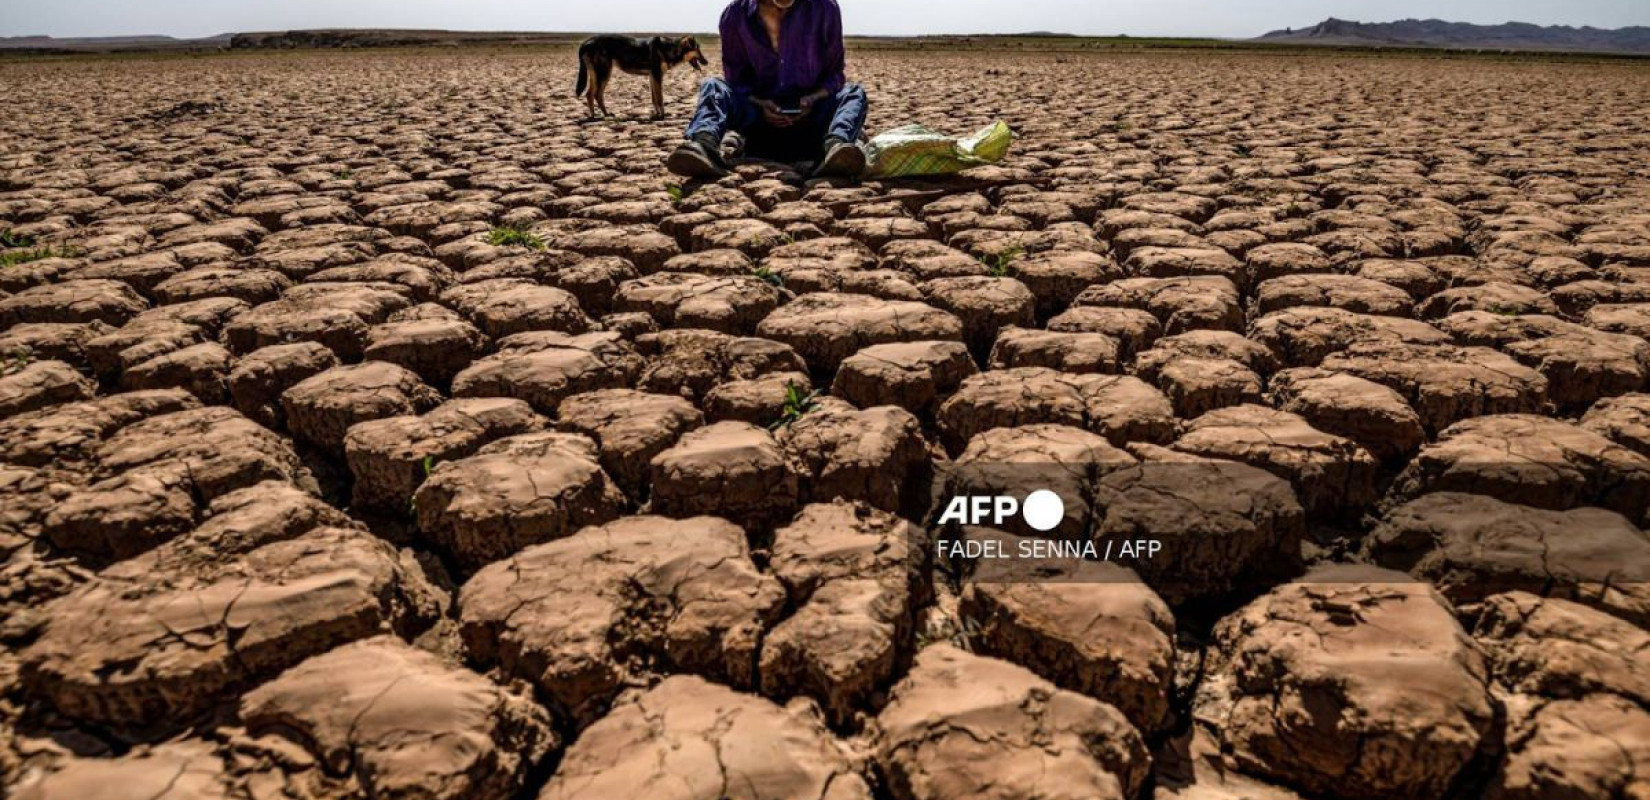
810 55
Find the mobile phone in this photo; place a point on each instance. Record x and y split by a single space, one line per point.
791 112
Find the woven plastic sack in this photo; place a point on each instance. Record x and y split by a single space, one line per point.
916 150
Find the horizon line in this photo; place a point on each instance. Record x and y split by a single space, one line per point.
1033 33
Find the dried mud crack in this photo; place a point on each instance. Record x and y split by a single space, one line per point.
371 427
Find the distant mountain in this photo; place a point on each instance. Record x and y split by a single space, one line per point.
1462 35
281 40
110 43
372 37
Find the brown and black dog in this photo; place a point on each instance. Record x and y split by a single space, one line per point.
651 57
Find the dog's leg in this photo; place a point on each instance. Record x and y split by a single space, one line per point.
604 73
589 88
658 94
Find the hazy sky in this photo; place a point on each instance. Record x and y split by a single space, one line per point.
1232 18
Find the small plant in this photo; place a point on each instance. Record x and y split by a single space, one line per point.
343 174
799 403
676 192
11 238
12 258
768 276
760 241
1243 150
507 236
1505 311
14 361
998 265
428 465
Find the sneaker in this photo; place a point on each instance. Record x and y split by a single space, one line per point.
842 160
696 159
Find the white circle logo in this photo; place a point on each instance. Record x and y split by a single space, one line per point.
1044 511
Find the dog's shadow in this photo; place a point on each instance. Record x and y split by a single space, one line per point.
623 118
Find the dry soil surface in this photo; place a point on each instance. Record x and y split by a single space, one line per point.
314 484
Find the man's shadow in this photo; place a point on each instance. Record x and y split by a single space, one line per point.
913 192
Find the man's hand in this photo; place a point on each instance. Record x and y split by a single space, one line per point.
771 113
808 103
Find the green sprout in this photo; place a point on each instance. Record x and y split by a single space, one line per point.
799 403
1505 311
768 276
15 361
998 265
676 192
507 235
428 464
760 241
12 258
11 238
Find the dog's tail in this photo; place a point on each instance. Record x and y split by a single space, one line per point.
584 74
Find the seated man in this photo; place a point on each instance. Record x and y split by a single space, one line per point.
785 91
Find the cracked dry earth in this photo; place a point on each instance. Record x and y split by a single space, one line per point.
307 490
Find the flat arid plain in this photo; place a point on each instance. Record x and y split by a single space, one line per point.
373 426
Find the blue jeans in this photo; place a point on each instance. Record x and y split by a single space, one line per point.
722 109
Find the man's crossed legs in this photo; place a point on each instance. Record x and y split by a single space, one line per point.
829 134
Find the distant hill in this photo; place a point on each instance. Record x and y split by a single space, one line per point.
362 37
95 44
1466 36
